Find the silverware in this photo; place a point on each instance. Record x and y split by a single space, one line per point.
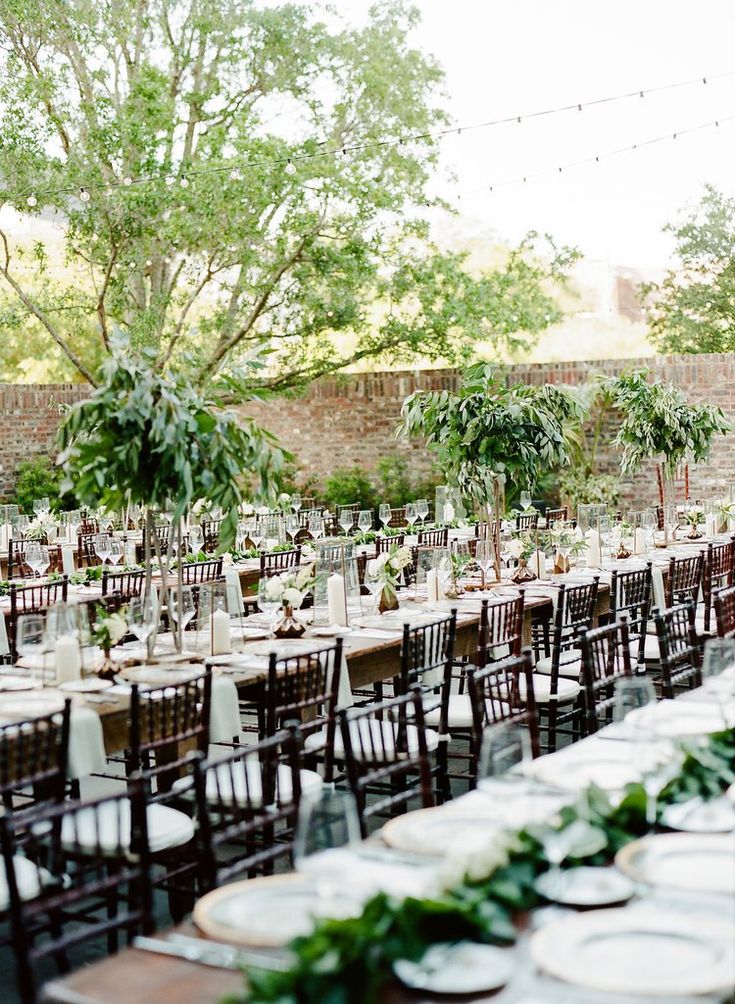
208 953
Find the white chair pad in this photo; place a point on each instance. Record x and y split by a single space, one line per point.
460 712
652 652
376 735
29 878
567 690
167 828
570 664
227 783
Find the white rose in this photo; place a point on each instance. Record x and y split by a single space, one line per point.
247 509
227 559
117 627
293 597
304 575
263 510
515 548
273 589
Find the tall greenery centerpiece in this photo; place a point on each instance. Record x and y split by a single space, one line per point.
487 435
149 438
659 424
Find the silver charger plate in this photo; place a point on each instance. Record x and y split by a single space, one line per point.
696 862
463 967
586 887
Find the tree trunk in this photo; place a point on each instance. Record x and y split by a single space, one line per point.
494 515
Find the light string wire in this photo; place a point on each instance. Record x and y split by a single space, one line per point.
236 168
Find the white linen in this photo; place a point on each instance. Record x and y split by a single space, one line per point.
224 716
235 603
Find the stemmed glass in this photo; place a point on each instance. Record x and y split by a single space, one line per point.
196 538
296 503
347 519
116 551
292 525
365 520
30 640
526 500
36 556
316 526
373 581
659 762
422 509
328 823
268 602
42 507
411 514
182 606
631 693
505 748
142 618
384 513
484 558
102 546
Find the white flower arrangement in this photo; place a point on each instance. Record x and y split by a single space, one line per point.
247 508
109 629
388 565
262 510
41 526
290 588
476 860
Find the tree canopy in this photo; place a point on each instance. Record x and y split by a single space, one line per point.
693 308
236 180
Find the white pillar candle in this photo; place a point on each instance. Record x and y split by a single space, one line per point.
593 554
67 559
432 586
221 643
68 659
709 525
538 563
639 540
336 600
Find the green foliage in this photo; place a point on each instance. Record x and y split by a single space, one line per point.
39 479
488 430
151 438
658 422
396 484
349 484
272 247
691 310
578 485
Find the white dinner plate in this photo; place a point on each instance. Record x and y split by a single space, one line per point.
268 912
439 831
696 862
30 704
639 951
284 647
8 683
159 675
463 967
586 887
677 718
695 816
603 767
87 685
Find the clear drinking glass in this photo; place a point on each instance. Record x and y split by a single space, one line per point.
296 502
484 558
526 500
411 514
347 519
196 539
42 507
422 509
292 526
505 747
30 640
267 604
181 605
316 526
328 823
365 520
659 762
142 619
384 513
373 581
631 693
102 546
115 551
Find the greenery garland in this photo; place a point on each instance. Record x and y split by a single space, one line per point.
348 961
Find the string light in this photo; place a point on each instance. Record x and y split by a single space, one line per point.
84 195
184 182
383 143
32 201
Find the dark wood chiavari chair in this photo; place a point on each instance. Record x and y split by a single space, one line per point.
86 553
386 543
210 535
247 805
76 872
725 612
684 580
527 520
89 525
630 596
279 561
397 517
124 585
501 692
33 756
434 538
33 599
605 660
557 677
385 748
18 567
196 572
560 515
680 666
303 688
719 566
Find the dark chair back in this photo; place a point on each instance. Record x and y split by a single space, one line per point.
560 515
386 543
679 648
501 630
165 718
434 538
386 756
725 612
194 572
86 553
210 535
124 585
33 756
719 565
279 561
501 692
33 599
685 580
527 520
630 597
605 660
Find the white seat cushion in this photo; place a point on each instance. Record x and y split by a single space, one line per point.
167 828
460 712
567 690
28 877
375 735
652 652
227 783
570 664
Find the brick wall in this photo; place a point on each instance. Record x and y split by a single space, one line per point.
351 420
29 418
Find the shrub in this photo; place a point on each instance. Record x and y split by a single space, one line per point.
395 484
38 479
351 484
579 486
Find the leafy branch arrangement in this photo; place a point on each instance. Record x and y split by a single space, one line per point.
349 961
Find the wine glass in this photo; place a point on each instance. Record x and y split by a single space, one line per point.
525 500
30 640
115 551
631 693
42 507
196 538
142 618
659 762
384 513
373 581
422 509
484 558
365 520
328 823
506 747
296 502
411 514
292 525
102 546
181 605
269 596
347 519
316 526
36 557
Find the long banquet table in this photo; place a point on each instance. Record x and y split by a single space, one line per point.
137 977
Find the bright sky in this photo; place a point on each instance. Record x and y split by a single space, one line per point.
504 57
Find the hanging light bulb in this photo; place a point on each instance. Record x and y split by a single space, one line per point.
127 182
32 201
235 175
84 195
184 182
290 167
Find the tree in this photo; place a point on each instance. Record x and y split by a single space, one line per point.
156 131
693 309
